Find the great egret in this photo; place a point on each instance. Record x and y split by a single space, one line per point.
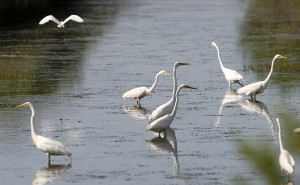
161 124
60 24
231 76
140 92
167 107
46 145
286 160
258 87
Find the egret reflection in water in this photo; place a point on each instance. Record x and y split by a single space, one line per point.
137 112
229 97
167 145
50 174
259 108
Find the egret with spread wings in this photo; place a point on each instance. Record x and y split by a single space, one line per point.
61 24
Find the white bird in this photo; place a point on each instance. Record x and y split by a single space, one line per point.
161 124
46 145
258 87
167 107
60 24
140 92
231 76
286 160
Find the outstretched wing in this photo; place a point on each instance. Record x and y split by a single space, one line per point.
49 18
73 18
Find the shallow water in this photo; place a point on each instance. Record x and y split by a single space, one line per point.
75 79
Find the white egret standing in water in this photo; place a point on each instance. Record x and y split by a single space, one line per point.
161 124
140 92
46 145
167 107
231 76
258 87
60 24
286 160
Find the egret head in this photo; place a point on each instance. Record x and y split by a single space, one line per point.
213 44
180 64
190 87
24 105
164 72
280 56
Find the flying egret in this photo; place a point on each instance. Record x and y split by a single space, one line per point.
167 107
161 124
60 24
286 160
231 76
46 145
140 92
258 87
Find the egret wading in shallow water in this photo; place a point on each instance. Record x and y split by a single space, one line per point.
161 124
140 92
167 107
231 75
46 145
286 160
258 87
60 24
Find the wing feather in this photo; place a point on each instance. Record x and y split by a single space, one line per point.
73 18
49 18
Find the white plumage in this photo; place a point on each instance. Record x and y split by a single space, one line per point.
140 92
167 107
231 76
162 123
286 160
60 24
258 87
46 145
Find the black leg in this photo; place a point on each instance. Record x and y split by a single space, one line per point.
240 84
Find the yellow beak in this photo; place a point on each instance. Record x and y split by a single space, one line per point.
183 63
167 74
211 46
283 57
22 105
190 87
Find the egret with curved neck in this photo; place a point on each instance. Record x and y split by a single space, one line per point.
286 160
167 107
140 92
258 87
161 124
231 76
46 145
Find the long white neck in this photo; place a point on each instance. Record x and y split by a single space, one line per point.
33 133
279 136
174 81
176 102
154 84
221 64
271 71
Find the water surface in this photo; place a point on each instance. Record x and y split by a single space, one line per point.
75 79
